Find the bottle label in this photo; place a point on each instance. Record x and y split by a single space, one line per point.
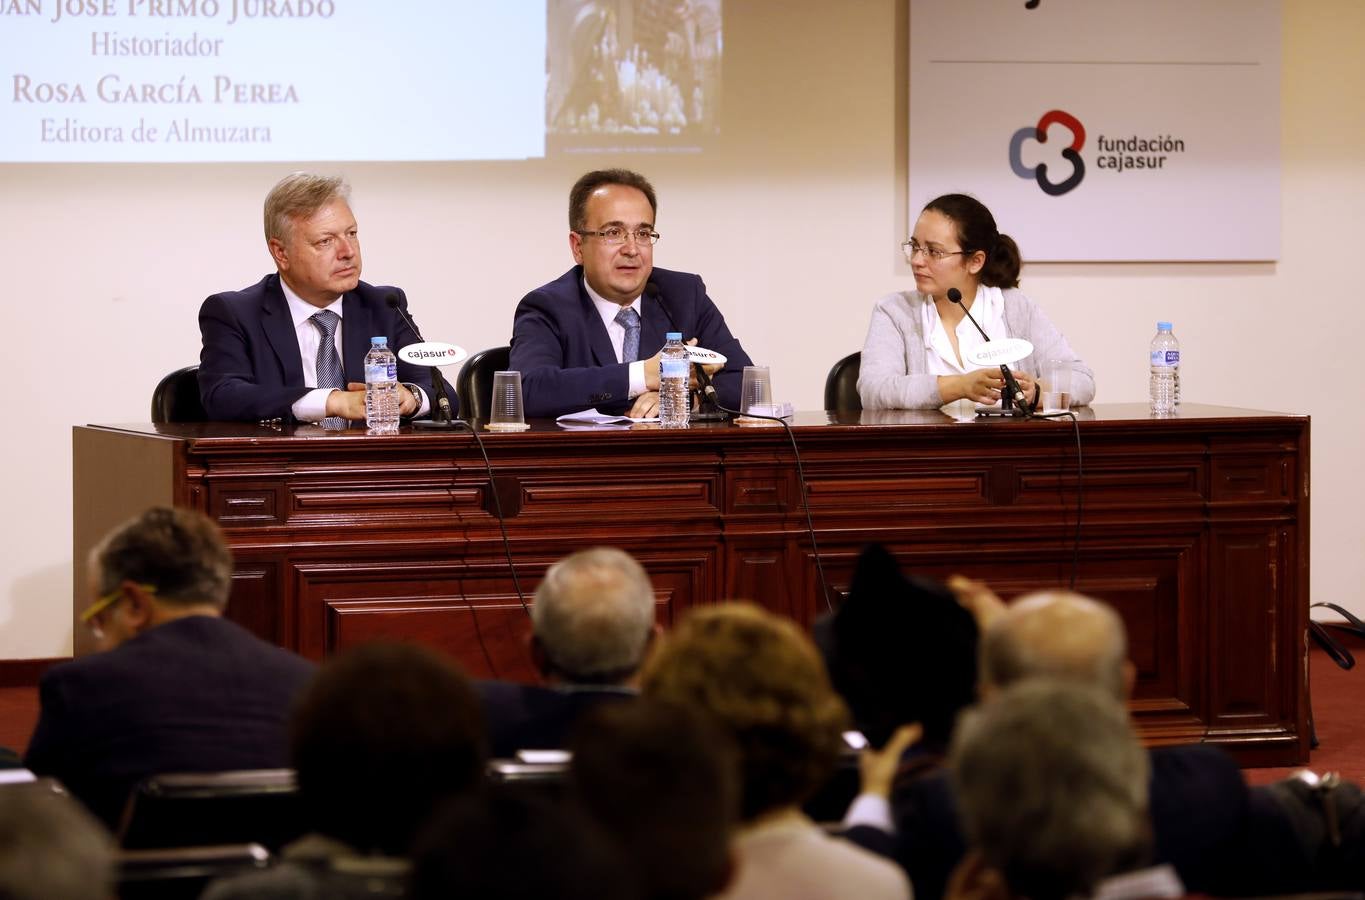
380 372
673 368
1162 358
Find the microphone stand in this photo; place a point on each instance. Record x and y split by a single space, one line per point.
442 415
708 403
1012 400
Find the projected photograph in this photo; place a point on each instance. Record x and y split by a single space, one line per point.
628 74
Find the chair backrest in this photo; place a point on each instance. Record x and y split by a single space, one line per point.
841 386
192 810
176 398
475 381
182 873
550 779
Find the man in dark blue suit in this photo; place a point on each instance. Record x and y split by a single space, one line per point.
177 688
592 622
292 346
591 337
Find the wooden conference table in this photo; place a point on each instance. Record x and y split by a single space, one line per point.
1194 527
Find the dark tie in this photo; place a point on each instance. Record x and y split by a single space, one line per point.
329 364
629 319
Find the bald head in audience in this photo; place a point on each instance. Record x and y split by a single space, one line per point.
1057 634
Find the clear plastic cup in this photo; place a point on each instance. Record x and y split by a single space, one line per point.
1057 385
755 394
506 412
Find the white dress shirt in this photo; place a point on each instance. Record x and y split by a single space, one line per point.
988 308
312 406
617 332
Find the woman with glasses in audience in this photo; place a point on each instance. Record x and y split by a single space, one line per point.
916 348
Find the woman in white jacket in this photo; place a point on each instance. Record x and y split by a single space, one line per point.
917 341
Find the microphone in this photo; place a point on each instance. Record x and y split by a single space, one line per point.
1011 383
438 384
708 389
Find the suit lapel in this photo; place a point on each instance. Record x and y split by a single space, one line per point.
280 332
653 326
603 353
357 327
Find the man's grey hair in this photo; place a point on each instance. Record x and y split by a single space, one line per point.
299 196
51 848
1057 634
179 552
593 616
1052 785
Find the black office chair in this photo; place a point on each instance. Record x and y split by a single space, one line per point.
475 381
176 398
194 810
841 386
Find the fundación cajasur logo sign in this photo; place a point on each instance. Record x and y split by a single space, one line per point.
1114 155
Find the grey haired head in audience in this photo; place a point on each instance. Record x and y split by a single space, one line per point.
180 552
51 848
593 617
1052 786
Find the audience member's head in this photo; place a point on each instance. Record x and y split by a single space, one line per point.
1051 783
663 782
762 680
382 735
900 649
1059 635
593 618
51 848
164 564
510 844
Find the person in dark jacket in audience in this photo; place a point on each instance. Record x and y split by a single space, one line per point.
178 687
385 734
593 621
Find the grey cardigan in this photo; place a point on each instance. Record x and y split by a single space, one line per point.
894 371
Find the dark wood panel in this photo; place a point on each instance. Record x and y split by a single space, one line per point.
1194 527
256 602
1246 604
468 608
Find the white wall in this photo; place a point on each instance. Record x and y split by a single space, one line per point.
794 222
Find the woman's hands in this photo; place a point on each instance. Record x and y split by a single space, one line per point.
981 386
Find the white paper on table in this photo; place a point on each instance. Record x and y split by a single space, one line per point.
594 419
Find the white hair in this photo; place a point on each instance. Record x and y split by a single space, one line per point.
1052 785
593 615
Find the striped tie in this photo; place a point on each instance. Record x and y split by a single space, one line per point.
629 319
329 364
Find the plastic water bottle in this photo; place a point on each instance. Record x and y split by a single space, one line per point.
1164 384
381 388
674 362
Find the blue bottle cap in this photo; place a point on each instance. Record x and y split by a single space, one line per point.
379 341
1163 326
673 336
